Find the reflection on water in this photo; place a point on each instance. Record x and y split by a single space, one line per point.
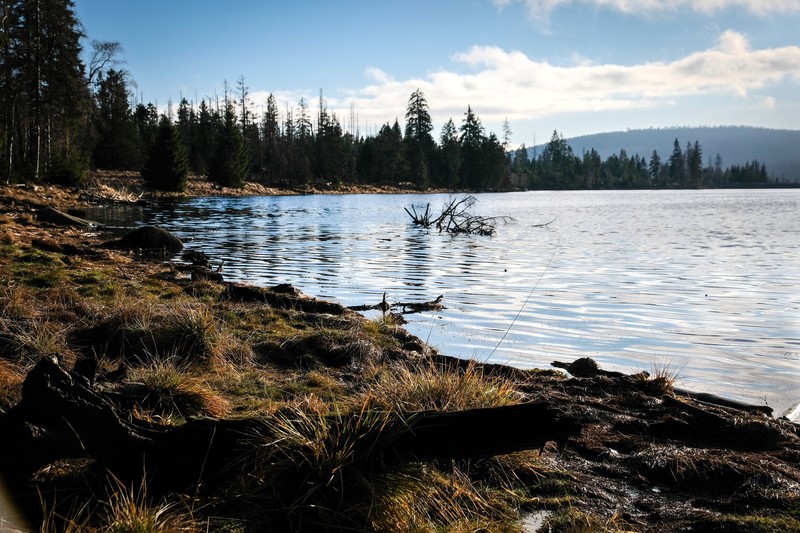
702 281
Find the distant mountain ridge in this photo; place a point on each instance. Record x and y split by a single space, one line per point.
779 150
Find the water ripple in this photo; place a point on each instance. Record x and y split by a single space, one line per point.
703 281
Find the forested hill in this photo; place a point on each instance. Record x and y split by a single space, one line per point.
779 150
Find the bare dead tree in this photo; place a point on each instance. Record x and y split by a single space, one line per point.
455 217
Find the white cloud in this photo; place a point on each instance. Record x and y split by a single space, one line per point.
500 83
540 9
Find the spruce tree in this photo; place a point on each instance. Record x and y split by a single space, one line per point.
420 146
118 141
42 90
230 163
167 166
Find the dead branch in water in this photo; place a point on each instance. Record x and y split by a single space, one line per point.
407 307
456 218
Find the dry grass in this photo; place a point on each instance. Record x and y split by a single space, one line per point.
11 377
424 498
316 470
165 389
660 380
570 520
130 511
30 340
432 387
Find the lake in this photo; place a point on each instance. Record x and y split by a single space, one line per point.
704 283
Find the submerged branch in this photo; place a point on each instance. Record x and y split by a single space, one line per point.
456 218
407 307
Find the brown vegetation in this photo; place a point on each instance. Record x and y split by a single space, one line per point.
303 399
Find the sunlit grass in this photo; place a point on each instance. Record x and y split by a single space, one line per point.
164 388
129 510
428 386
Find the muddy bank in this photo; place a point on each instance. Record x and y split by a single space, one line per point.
120 374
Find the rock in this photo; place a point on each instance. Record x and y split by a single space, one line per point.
149 238
54 216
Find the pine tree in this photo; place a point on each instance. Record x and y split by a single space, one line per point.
471 139
117 144
676 164
230 163
167 166
694 163
274 159
420 146
44 90
449 162
655 165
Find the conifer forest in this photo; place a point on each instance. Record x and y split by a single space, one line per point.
68 105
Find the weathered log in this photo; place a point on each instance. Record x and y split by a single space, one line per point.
283 297
483 432
54 216
74 419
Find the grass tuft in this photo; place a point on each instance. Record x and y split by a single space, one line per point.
316 468
130 511
164 388
660 380
433 387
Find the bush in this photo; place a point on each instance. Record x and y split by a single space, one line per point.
67 170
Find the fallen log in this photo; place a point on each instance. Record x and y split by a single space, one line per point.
59 218
61 415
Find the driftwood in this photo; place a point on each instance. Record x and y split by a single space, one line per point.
586 367
456 218
406 307
61 414
59 218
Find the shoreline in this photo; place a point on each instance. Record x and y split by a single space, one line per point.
169 353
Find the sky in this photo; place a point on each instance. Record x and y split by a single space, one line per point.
575 66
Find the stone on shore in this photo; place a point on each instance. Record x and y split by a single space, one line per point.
149 238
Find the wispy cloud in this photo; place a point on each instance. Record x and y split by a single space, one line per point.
501 83
540 9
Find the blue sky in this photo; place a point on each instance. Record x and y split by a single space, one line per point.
578 66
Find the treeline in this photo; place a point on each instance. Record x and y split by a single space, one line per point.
557 167
61 117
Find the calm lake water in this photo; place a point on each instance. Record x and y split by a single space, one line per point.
702 282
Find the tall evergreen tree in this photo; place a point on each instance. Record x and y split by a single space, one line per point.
117 145
146 119
420 146
230 163
694 164
273 157
591 168
494 170
677 169
471 139
167 166
655 166
208 124
558 163
44 90
389 164
449 161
